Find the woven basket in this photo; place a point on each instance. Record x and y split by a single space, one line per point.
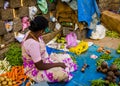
49 36
81 34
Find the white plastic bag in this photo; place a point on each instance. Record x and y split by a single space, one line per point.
8 26
99 33
32 11
19 36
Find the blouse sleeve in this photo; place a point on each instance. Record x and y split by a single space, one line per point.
33 49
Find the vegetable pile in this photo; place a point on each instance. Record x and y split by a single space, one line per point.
13 55
102 58
105 56
14 77
80 48
118 49
112 72
101 82
97 82
117 62
6 81
4 66
112 34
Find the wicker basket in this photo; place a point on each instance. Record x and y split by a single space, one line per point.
49 36
81 34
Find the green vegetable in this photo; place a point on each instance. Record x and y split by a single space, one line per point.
99 62
98 82
105 56
113 84
14 55
112 34
102 58
101 82
118 49
117 62
61 40
73 58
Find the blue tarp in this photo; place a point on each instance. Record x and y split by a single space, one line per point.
86 8
83 79
80 78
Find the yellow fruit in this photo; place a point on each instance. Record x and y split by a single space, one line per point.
62 46
62 41
80 48
84 47
62 38
58 40
71 49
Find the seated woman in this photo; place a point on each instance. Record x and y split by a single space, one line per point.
38 65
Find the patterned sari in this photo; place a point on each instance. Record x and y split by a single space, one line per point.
55 74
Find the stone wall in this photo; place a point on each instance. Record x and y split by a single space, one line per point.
16 10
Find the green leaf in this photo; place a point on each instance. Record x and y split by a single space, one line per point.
14 54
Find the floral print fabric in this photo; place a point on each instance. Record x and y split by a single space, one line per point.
55 74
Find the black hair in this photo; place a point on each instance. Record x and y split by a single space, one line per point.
38 23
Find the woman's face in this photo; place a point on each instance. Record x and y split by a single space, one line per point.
42 32
39 33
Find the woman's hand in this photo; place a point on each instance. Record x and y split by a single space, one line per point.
44 66
62 65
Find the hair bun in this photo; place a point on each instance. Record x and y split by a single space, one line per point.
38 23
33 25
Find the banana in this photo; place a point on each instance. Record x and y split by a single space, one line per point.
80 48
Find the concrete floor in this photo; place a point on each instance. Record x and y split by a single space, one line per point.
106 42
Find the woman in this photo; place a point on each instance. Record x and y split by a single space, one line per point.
38 65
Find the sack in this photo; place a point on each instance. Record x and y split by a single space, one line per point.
111 20
71 39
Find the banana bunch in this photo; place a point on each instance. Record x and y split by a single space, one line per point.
80 48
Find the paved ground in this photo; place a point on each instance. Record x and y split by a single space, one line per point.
106 42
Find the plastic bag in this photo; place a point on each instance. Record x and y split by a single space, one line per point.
32 12
6 5
71 39
99 33
8 26
71 3
19 36
42 4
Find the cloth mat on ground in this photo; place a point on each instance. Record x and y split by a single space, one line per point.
80 78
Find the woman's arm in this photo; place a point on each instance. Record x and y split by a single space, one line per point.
34 51
44 66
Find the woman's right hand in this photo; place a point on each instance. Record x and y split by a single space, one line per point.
44 66
62 65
